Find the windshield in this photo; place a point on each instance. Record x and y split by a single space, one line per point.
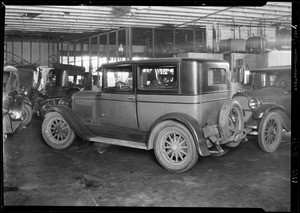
76 80
262 80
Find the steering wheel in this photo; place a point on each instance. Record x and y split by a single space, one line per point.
120 84
285 84
53 59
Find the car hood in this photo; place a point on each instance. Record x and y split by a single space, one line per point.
264 94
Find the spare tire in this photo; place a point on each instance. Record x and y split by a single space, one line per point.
231 121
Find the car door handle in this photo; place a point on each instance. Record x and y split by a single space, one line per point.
131 97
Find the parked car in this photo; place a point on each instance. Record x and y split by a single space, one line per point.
179 107
267 106
16 110
61 82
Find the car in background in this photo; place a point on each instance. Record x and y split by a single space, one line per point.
267 106
180 107
16 109
60 84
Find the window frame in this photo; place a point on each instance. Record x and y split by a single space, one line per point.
215 87
104 79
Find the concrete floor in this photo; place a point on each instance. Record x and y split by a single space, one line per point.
105 175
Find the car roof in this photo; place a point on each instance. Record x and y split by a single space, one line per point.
284 68
159 60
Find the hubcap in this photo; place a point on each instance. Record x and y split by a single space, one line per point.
233 121
174 146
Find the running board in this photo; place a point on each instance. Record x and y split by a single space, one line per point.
119 142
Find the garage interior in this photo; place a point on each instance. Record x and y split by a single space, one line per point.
93 174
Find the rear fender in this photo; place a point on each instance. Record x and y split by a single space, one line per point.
191 123
74 122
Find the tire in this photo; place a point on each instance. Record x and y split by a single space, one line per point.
56 131
231 121
270 132
174 147
27 114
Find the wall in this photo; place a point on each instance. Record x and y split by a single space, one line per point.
29 52
274 58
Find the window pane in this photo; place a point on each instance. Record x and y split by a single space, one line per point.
217 79
157 78
216 76
118 79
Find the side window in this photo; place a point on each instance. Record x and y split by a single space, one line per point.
118 79
157 78
97 82
272 80
217 79
216 76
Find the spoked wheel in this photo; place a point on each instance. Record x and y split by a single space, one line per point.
174 148
27 113
270 132
231 121
56 131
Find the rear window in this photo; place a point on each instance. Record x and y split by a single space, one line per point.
216 79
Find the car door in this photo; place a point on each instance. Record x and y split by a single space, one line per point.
118 100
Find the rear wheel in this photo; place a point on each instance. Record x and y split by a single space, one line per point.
231 121
56 131
27 113
174 147
270 132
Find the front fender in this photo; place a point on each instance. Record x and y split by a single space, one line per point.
262 110
191 123
74 122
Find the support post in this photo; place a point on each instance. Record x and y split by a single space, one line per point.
90 54
130 43
153 35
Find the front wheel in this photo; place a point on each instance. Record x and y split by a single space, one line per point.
27 113
174 147
56 131
270 132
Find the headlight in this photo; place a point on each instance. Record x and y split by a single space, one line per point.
253 103
15 114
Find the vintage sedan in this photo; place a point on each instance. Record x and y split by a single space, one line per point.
267 106
61 82
180 107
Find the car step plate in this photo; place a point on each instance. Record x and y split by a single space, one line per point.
119 142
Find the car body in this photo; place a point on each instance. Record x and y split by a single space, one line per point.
16 110
270 95
171 105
